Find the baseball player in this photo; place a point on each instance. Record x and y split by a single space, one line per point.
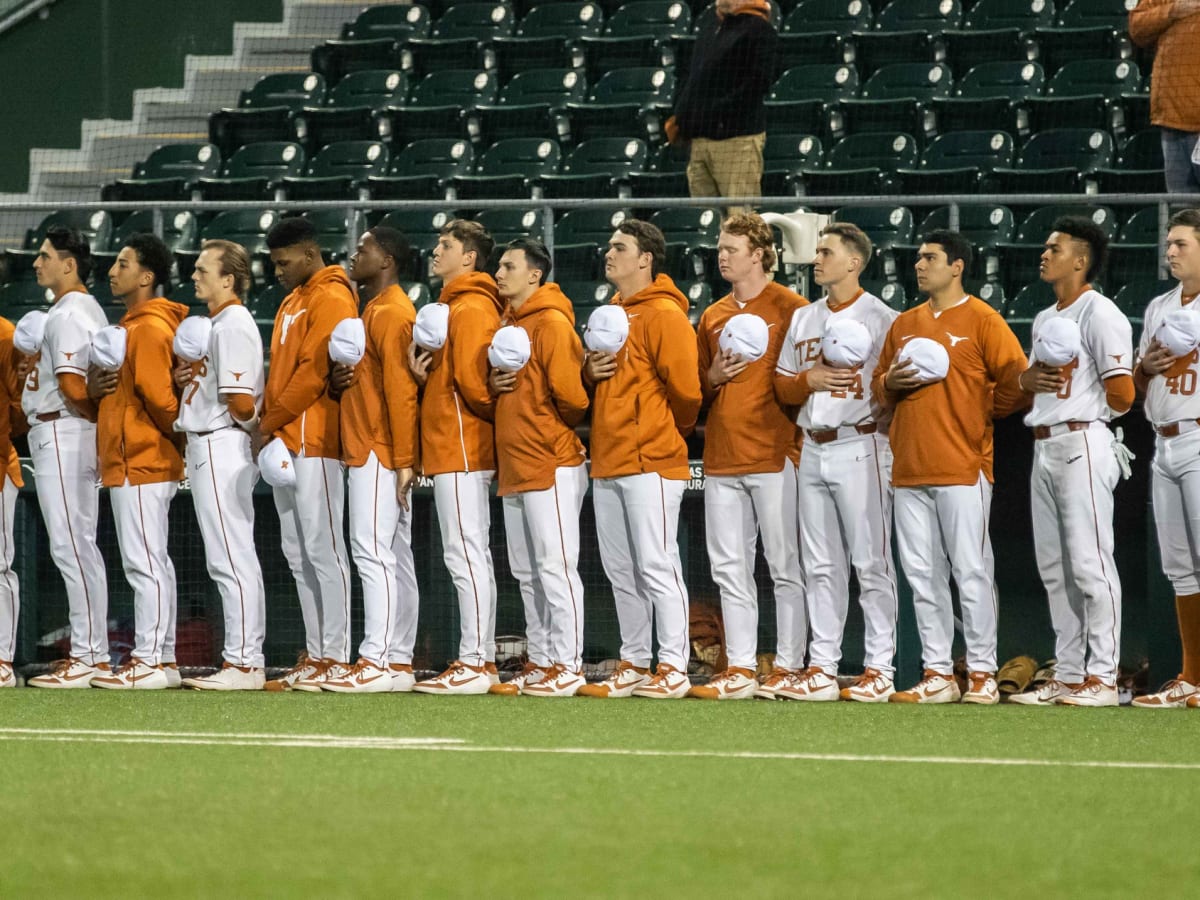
647 397
62 444
457 448
1169 383
1076 467
379 444
749 473
941 439
845 475
218 411
11 420
139 459
298 409
543 478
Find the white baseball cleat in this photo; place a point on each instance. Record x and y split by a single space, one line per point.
668 683
1046 695
735 683
1093 692
812 684
171 670
402 677
493 673
229 678
135 675
68 674
770 685
8 678
364 677
626 677
558 681
530 674
326 670
872 686
982 689
1174 694
305 667
459 678
934 687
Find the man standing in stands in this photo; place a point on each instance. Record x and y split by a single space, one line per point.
719 106
1172 29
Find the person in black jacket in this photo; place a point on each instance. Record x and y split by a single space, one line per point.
719 107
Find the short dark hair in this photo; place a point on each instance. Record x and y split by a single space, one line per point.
391 242
472 236
1081 228
72 242
1188 218
954 244
649 239
853 237
536 255
291 231
151 254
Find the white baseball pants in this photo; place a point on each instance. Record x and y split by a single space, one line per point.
465 521
738 510
542 529
1175 489
310 527
66 475
846 520
140 513
1072 482
10 592
381 545
942 530
637 524
222 475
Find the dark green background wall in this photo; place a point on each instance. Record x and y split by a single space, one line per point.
87 57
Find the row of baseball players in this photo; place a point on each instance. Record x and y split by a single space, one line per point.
893 411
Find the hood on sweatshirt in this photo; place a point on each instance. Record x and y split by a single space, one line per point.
167 311
471 283
661 288
326 277
548 296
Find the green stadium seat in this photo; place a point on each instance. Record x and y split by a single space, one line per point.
1015 266
1030 299
963 50
588 226
421 56
785 155
247 227
893 294
556 87
1037 225
842 16
338 170
826 82
561 18
986 15
792 116
592 168
253 172
861 164
333 229
891 100
230 129
394 21
645 86
588 121
488 124
872 50
931 16
421 169
1134 110
418 293
985 97
1059 46
505 225
604 54
334 59
179 232
884 225
660 18
952 163
478 21
374 88
19 297
586 295
664 175
1141 227
96 225
317 126
578 262
982 225
1089 13
291 89
699 227
405 124
421 228
1055 162
990 293
1134 296
167 173
464 87
817 48
514 55
1132 262
506 167
1081 94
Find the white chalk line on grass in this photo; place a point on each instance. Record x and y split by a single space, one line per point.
455 745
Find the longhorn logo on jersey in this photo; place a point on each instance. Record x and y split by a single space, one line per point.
288 319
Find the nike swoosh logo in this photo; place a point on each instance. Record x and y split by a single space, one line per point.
67 677
361 678
1074 459
202 464
455 682
44 446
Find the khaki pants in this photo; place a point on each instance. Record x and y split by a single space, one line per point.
728 168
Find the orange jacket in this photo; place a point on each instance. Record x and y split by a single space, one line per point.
747 431
457 407
379 411
535 422
135 426
296 406
641 414
1174 88
941 433
12 419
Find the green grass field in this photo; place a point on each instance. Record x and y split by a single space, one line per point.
192 795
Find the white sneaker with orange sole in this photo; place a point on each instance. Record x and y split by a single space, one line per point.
229 678
813 685
305 667
982 689
735 683
558 681
459 678
934 687
364 677
668 683
323 669
623 681
769 687
69 674
530 674
8 677
872 686
402 677
1093 692
1173 695
135 675
1046 694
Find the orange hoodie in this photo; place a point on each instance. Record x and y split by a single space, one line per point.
379 411
296 406
11 418
535 422
135 427
642 413
457 407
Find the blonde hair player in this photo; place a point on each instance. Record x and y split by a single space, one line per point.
845 475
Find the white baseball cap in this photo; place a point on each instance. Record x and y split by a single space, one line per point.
192 338
1058 341
276 464
108 347
510 348
928 356
30 331
745 335
1179 331
846 343
433 322
348 342
607 329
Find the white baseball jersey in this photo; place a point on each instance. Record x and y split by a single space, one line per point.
234 365
802 348
1107 350
72 321
1173 397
